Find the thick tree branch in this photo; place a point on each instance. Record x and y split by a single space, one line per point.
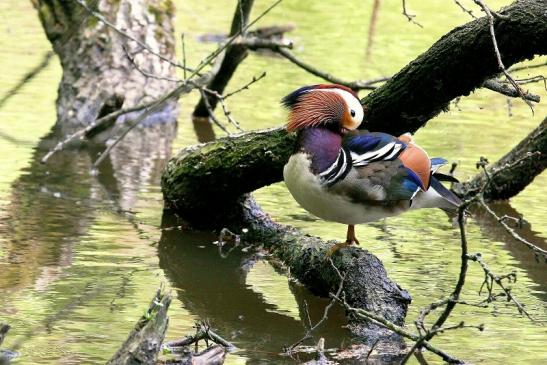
514 177
454 66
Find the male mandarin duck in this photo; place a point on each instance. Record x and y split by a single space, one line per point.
348 176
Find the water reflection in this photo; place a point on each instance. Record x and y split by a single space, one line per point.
53 205
222 295
525 258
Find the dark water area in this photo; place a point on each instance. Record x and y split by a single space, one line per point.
82 252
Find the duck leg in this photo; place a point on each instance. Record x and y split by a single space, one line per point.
350 236
350 239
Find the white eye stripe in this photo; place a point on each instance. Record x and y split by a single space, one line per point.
353 103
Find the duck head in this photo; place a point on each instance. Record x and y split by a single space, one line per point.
335 107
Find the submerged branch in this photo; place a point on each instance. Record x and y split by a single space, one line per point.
144 341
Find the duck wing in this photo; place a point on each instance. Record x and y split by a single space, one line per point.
377 173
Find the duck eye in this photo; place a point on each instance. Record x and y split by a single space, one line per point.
352 112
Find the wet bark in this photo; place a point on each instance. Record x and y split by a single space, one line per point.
98 77
144 342
514 177
366 284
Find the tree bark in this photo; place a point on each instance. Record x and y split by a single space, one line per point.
98 77
514 176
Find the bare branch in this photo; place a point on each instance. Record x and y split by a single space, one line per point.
490 278
145 73
220 98
504 89
490 14
409 16
501 220
464 9
355 85
246 86
211 111
520 68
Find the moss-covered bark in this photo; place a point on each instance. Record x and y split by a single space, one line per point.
204 183
514 177
98 77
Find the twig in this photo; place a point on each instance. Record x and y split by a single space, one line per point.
203 332
246 86
97 123
465 10
501 66
211 111
185 88
410 17
520 68
221 100
490 278
494 85
183 55
145 73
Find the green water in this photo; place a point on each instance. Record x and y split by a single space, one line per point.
81 255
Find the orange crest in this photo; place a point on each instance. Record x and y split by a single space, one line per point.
314 108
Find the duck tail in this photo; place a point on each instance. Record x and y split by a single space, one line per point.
450 201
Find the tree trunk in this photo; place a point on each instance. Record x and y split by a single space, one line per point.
514 176
98 77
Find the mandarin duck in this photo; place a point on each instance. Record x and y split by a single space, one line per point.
349 176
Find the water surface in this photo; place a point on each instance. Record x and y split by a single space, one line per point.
81 255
